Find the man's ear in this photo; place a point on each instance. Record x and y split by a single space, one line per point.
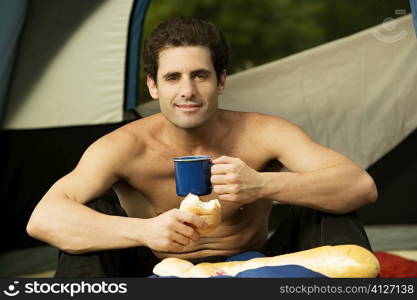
222 83
153 90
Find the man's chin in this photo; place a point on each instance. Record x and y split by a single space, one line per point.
188 121
189 124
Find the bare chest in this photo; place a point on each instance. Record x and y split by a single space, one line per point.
150 188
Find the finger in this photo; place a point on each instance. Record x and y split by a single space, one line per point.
192 219
224 160
180 239
224 189
219 179
227 197
187 231
176 247
173 247
221 169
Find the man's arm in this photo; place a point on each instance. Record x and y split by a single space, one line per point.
61 219
318 177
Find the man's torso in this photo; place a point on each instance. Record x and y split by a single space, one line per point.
149 187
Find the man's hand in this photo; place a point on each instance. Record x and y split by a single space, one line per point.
233 180
172 230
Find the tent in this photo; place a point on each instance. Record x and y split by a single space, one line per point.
70 72
60 93
356 95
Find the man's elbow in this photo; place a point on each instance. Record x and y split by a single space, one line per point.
369 192
42 231
362 192
36 228
32 228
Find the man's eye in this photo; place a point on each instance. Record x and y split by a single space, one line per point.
202 76
172 78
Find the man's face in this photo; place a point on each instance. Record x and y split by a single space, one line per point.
186 86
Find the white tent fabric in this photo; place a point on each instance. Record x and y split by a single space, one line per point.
72 69
357 95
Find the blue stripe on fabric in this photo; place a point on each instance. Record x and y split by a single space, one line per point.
137 19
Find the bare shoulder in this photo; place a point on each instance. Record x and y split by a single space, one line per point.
131 138
275 135
258 122
106 161
269 120
122 145
277 131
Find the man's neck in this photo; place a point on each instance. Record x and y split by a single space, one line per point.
193 141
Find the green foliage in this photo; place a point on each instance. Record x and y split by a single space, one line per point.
260 31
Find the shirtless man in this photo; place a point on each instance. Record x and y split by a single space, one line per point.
186 64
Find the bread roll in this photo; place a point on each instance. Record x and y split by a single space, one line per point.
203 270
210 211
172 266
342 261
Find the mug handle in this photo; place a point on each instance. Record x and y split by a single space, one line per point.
210 164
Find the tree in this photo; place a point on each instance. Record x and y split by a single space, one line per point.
265 30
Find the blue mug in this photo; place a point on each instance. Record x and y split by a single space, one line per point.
192 175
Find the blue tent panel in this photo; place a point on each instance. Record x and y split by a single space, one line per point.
133 55
413 4
12 16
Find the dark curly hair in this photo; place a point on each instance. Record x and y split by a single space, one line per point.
185 31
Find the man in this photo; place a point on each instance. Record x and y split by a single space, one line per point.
186 64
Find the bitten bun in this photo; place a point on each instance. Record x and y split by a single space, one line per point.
342 261
210 211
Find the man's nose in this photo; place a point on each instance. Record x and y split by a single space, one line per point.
187 89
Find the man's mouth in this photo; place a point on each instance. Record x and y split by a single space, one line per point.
188 107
